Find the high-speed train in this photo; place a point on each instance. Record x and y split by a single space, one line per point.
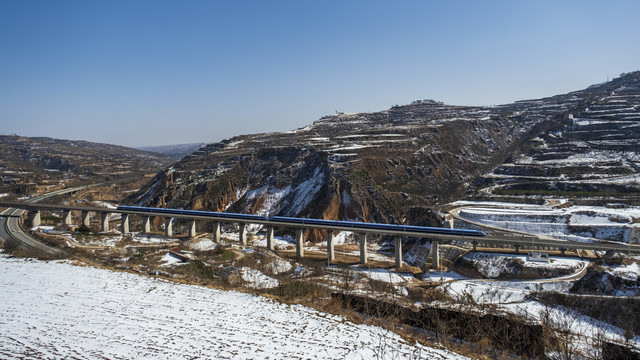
283 220
211 214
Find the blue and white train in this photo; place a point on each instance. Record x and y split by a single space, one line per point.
284 221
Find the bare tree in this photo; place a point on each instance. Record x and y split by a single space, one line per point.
559 336
385 349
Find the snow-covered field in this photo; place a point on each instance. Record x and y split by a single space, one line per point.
58 310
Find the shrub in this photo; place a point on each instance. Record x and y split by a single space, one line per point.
224 254
292 290
198 270
83 229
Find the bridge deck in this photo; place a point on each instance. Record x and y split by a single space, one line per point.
336 226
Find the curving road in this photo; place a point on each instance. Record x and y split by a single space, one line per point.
527 239
12 232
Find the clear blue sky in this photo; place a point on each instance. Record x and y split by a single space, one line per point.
160 72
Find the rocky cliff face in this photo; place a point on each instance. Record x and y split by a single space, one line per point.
383 167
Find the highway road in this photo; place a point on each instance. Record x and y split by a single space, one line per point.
11 231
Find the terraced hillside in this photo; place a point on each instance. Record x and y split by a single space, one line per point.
28 165
595 152
384 166
390 166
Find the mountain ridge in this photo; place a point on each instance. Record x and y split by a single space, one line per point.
387 166
29 163
175 151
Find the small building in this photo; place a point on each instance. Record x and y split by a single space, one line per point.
537 256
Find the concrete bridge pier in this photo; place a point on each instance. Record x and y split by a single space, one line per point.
66 217
216 232
192 229
299 243
562 251
475 245
270 245
147 224
517 246
363 249
331 254
243 234
34 217
86 221
435 254
104 220
398 252
124 222
168 226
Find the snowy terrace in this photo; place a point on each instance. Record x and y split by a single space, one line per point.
576 223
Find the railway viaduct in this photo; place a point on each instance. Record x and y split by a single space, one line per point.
443 235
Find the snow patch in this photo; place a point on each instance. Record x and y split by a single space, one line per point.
105 204
629 272
306 190
202 244
386 275
278 266
256 279
271 196
42 228
168 261
279 242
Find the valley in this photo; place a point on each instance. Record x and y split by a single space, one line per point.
563 168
